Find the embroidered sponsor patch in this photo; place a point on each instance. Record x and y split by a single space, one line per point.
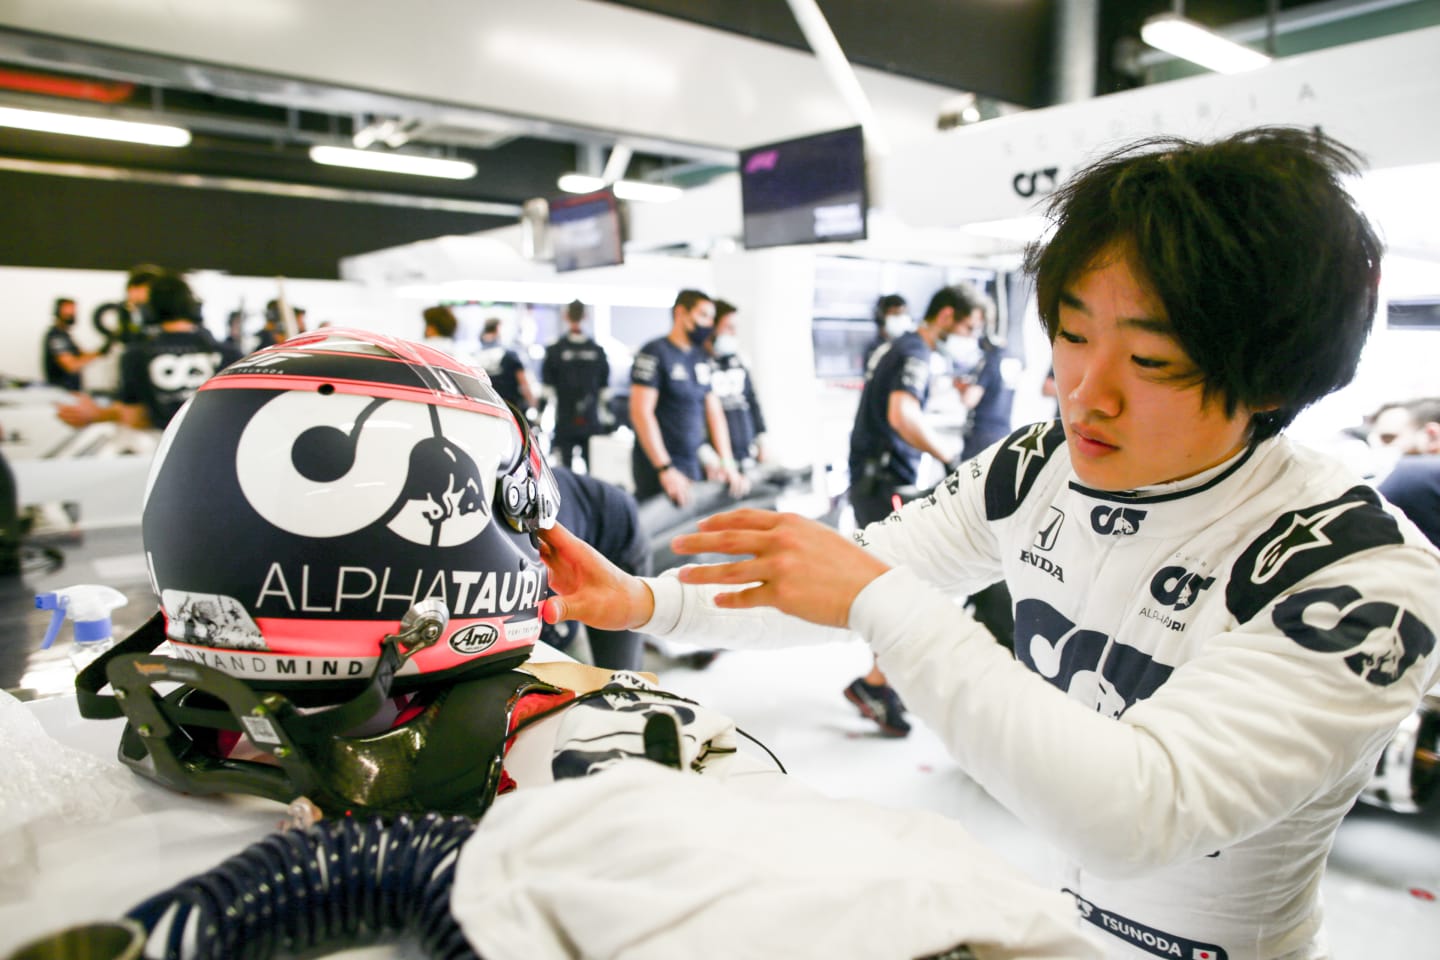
1304 541
1116 521
1380 639
1017 464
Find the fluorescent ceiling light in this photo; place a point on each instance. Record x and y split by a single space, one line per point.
650 192
624 189
393 162
1188 40
579 183
102 128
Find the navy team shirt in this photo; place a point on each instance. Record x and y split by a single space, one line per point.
905 366
682 378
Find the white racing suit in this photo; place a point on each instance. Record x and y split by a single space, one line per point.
1204 675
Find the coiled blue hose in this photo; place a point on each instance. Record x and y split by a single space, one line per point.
339 884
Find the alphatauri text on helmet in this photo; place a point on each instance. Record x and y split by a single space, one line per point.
466 593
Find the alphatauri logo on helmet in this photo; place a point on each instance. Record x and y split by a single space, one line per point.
476 638
408 467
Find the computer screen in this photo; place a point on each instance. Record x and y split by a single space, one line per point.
585 231
807 190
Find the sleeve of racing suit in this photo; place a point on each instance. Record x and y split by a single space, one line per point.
1236 740
944 536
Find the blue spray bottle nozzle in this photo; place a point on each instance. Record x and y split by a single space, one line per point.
88 605
52 601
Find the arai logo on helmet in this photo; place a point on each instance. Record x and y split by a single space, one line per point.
476 638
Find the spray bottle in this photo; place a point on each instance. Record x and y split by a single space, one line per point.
89 606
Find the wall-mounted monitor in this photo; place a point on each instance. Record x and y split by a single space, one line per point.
584 231
807 190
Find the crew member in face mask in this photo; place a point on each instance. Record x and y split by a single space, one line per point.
730 380
886 443
506 370
892 321
576 373
671 407
63 359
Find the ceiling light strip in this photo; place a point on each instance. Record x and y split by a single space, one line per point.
406 163
624 189
100 128
303 191
1188 40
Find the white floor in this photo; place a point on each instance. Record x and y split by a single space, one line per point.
1384 872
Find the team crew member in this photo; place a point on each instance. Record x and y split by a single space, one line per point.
63 359
1219 630
1410 431
671 406
507 373
989 397
730 381
886 443
892 321
1405 428
275 331
440 326
577 373
607 518
159 373
127 320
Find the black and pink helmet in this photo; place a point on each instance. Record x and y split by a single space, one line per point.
312 495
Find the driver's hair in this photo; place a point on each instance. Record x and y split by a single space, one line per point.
1266 269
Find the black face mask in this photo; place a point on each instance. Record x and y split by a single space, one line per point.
698 335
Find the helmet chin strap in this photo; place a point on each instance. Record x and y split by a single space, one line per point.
160 741
269 719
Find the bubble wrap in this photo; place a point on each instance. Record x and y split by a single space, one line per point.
42 779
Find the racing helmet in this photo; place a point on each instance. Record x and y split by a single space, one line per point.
314 498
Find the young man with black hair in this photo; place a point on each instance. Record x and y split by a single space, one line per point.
163 370
1217 631
576 374
672 407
